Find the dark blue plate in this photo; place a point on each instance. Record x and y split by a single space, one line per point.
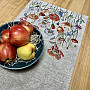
23 64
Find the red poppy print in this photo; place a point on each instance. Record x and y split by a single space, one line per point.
54 17
45 17
66 24
53 26
74 40
41 14
45 11
55 52
60 30
33 16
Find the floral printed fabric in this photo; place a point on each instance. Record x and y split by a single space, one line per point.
62 31
60 26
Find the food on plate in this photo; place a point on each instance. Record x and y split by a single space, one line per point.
7 52
26 52
18 43
5 36
28 26
18 35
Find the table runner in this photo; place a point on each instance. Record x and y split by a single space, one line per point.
62 31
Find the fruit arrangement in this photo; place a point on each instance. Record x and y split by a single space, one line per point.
15 42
